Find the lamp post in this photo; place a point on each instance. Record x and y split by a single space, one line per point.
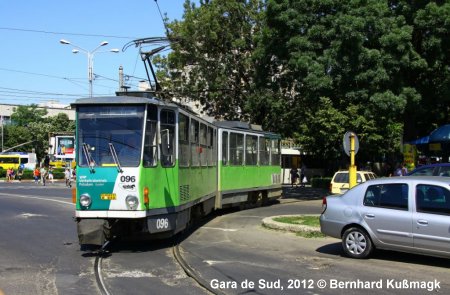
90 56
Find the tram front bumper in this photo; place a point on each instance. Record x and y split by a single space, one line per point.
91 231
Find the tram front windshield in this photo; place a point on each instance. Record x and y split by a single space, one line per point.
110 135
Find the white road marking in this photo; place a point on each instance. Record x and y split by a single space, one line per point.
37 198
217 228
26 215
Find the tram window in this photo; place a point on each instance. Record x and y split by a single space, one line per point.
203 147
214 145
275 152
195 148
224 148
251 150
209 146
236 149
150 150
183 136
167 138
264 151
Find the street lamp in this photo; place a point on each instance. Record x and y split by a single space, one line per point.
90 56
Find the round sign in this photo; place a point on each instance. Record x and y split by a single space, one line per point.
346 142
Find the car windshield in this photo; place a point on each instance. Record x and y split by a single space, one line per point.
100 126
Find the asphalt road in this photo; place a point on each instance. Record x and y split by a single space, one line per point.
230 251
38 242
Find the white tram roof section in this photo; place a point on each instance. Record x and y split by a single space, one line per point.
120 100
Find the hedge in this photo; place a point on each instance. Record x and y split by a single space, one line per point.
321 182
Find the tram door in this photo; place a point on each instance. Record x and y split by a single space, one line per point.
290 158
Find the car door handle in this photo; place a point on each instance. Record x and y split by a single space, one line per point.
370 215
422 222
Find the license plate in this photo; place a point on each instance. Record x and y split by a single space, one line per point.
108 197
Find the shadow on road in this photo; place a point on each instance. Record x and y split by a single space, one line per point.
304 193
336 250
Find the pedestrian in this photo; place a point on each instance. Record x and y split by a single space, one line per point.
67 177
20 173
36 174
404 170
8 174
294 176
50 174
43 175
303 178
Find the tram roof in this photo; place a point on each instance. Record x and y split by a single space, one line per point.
244 126
120 100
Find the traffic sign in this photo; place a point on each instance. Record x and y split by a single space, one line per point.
346 142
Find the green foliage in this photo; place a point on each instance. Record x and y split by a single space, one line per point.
30 124
313 70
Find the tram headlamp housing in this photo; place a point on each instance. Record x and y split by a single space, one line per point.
132 202
85 200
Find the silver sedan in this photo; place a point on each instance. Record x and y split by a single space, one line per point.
409 214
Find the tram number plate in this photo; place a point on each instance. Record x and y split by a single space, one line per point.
108 197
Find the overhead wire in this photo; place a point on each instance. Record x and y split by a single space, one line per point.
65 33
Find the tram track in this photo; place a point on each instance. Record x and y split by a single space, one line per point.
190 272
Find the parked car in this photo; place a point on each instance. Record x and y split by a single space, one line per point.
409 214
339 182
441 169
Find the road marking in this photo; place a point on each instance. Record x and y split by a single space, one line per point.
217 228
212 262
37 198
26 215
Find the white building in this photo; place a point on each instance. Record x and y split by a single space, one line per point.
52 110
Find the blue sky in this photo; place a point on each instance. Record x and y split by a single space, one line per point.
36 68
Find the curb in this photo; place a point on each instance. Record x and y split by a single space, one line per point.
296 228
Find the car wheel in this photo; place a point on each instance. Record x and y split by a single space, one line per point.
356 243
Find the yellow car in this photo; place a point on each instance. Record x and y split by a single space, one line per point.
339 182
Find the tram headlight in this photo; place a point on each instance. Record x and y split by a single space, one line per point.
132 202
85 200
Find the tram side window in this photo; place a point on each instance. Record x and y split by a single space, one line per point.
236 149
150 147
264 151
214 147
224 148
203 147
183 137
210 146
251 150
167 138
275 152
195 148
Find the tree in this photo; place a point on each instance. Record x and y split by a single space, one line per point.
30 124
23 115
353 62
211 58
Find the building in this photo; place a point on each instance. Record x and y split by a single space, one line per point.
52 110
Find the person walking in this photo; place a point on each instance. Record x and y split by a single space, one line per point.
36 175
68 176
43 175
50 175
294 176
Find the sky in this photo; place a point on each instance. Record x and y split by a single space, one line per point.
36 68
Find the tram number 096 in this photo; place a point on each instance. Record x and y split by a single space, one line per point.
128 178
162 223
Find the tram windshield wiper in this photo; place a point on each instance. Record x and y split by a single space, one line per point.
89 160
115 157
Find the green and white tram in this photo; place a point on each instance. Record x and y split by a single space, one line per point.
149 167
